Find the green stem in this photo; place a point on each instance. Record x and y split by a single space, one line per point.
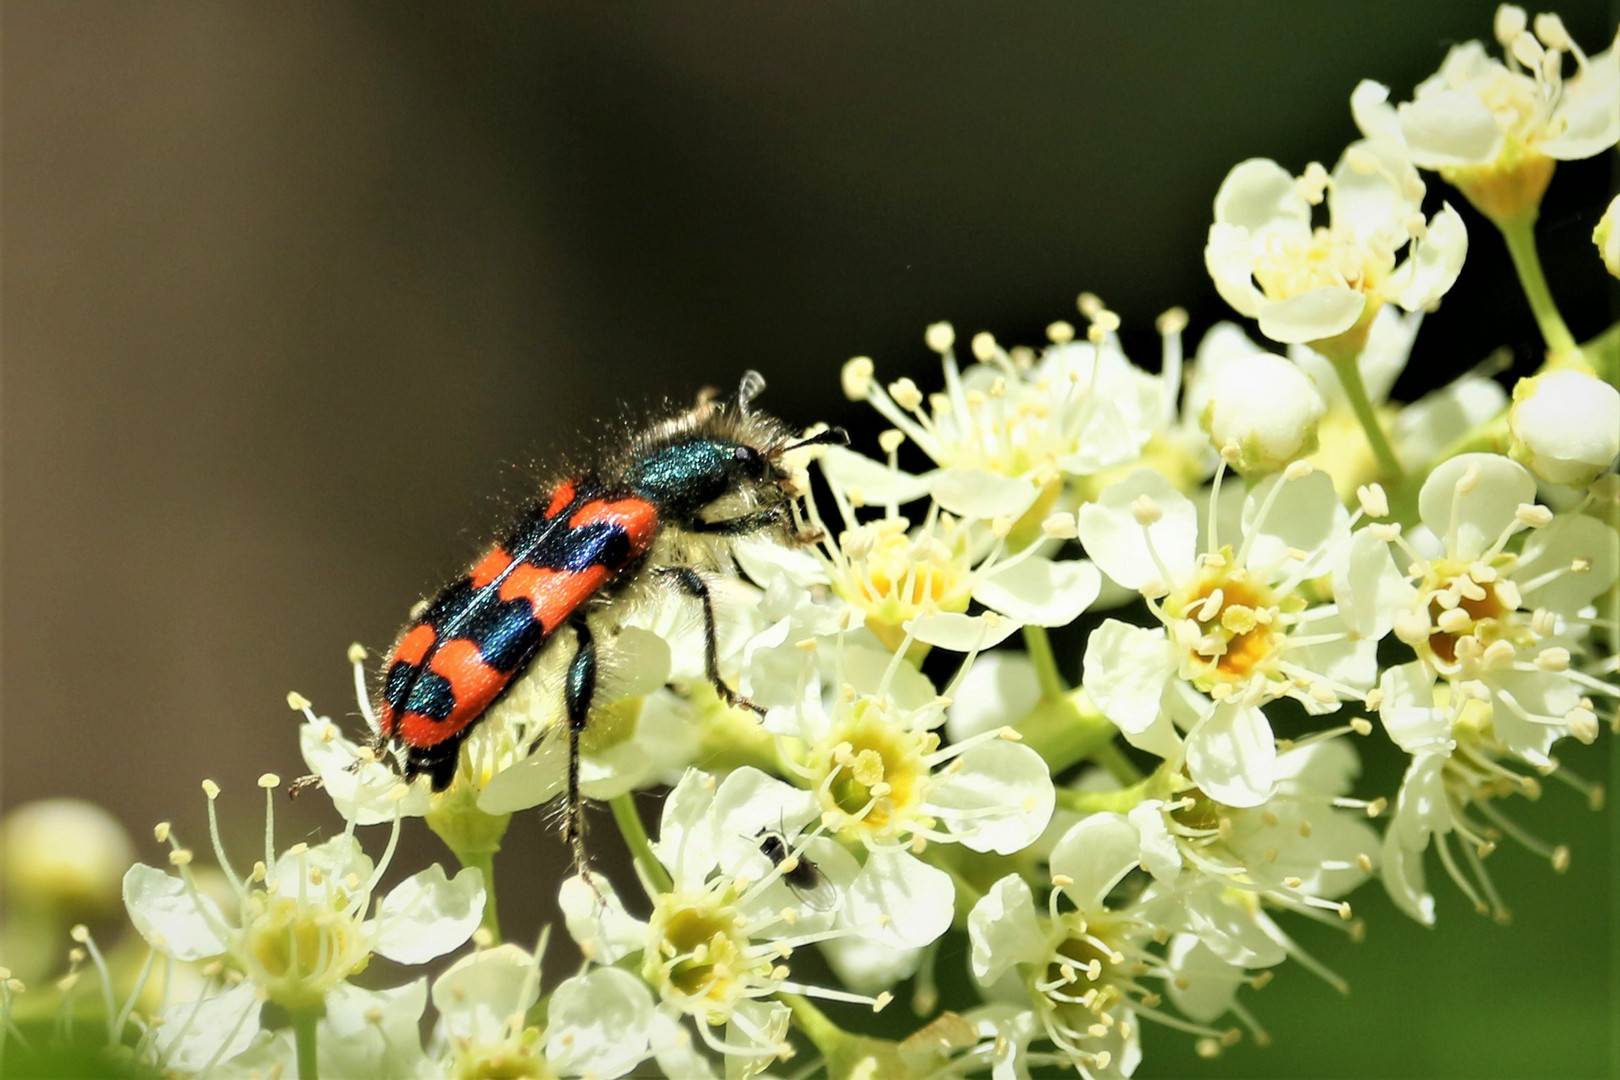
1046 669
628 819
1092 802
1355 392
304 1022
1111 757
825 1035
1520 234
484 863
1066 730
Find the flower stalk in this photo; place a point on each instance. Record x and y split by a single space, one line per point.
1520 234
304 1024
628 819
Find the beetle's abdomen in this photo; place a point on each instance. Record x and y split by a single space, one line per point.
484 629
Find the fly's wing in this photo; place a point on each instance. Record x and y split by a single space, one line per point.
481 631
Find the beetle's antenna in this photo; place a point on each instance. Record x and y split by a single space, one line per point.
752 385
831 437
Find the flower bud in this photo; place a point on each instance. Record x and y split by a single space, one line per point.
1607 237
65 855
1565 425
1267 409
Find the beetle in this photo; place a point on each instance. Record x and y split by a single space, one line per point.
586 542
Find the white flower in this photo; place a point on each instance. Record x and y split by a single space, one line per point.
1566 426
1081 962
1266 410
1080 408
1495 127
714 945
1607 237
1237 623
859 730
1308 284
597 1024
1459 768
299 928
1497 623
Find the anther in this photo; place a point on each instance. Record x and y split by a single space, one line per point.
297 702
269 780
1060 332
357 653
984 346
856 378
210 789
940 337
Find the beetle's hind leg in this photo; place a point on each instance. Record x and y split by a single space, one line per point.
578 691
691 583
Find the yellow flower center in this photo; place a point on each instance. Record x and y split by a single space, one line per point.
893 577
1231 631
521 1057
301 950
871 773
698 954
1293 264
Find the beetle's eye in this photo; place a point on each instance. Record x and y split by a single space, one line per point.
751 460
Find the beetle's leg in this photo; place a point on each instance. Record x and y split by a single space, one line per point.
578 691
752 522
692 584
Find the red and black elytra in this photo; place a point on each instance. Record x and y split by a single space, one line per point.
580 545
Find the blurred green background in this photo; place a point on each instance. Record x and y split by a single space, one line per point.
289 288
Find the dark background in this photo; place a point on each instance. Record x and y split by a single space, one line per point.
288 289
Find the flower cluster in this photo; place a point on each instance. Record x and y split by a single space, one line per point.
1275 562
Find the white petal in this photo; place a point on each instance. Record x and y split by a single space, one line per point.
1433 264
1312 315
1126 668
867 967
685 843
975 493
748 801
999 800
216 1028
597 1024
998 689
174 920
1590 109
479 995
1095 855
875 481
1450 127
603 930
362 793
1114 538
753 1035
1484 512
1402 873
1432 423
678 1052
534 781
1374 204
427 916
1160 855
1261 195
1039 591
1556 547
1305 516
1204 985
1369 588
1229 257
1233 931
1003 931
372 1034
962 633
1374 115
896 882
1232 755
